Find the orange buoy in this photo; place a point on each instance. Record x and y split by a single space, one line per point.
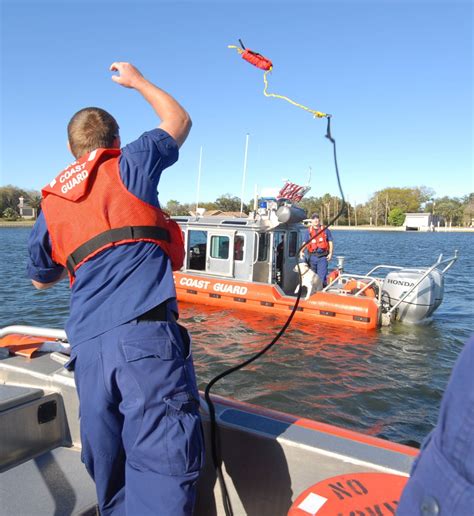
355 286
257 59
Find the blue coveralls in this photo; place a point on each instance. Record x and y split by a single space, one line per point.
442 477
141 433
318 260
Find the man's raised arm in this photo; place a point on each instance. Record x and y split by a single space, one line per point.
174 118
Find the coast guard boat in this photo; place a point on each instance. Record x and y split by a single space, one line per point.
249 264
273 463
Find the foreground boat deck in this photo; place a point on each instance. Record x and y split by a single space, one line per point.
269 458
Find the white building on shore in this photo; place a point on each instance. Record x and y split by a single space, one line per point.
421 222
25 210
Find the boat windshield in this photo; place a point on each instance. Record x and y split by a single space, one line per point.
263 245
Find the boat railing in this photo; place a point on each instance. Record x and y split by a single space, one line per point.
439 262
341 280
369 279
449 261
34 331
379 267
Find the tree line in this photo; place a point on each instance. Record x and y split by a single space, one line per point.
10 198
385 207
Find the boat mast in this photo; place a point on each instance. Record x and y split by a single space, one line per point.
244 173
199 179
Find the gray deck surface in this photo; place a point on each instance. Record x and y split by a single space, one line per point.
56 483
12 396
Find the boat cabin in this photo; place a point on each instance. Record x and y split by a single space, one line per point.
261 248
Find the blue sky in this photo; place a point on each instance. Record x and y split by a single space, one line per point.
395 75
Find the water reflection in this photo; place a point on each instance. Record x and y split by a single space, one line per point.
387 382
365 380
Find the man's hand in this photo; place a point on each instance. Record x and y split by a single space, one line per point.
331 250
174 118
128 76
43 286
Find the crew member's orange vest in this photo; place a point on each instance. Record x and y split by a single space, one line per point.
318 242
89 209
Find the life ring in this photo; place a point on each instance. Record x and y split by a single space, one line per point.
354 286
352 493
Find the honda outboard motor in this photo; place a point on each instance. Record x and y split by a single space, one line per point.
422 297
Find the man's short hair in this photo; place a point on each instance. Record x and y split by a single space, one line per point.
91 128
315 216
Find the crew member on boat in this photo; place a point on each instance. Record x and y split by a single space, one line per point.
320 247
101 222
442 476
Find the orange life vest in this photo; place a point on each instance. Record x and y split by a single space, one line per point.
88 209
318 242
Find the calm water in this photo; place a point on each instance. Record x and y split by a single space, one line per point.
386 383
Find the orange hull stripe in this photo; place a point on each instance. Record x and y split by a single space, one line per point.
361 312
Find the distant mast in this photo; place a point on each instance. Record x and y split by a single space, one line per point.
199 179
244 174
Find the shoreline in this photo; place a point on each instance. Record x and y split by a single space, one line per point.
17 223
402 229
30 223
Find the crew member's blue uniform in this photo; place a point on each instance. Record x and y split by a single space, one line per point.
140 427
317 260
442 477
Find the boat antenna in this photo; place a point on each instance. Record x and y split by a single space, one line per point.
244 174
199 179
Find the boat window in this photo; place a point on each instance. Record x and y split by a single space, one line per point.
234 222
197 244
239 244
292 243
263 243
303 235
220 247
